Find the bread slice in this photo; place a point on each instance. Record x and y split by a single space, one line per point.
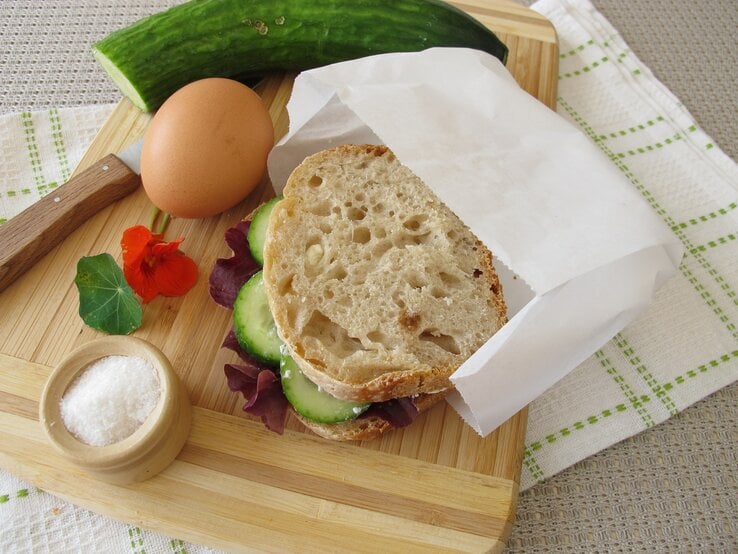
376 286
364 428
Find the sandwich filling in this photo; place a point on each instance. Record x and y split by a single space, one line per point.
258 381
355 295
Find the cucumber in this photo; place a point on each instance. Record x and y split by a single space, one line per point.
257 229
242 39
311 402
253 323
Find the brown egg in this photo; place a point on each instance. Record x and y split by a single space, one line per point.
206 148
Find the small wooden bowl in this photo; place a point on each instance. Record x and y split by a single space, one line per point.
152 447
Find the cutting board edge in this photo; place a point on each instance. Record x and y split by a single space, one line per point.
57 476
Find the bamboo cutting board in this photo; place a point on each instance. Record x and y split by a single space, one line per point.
434 486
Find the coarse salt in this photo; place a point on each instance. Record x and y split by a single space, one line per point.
110 399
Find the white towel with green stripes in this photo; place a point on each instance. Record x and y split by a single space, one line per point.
686 344
682 349
39 150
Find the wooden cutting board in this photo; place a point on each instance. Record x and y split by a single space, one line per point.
435 485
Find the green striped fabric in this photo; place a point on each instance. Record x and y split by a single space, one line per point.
40 150
686 345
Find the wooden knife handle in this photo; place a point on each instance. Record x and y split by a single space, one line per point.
28 236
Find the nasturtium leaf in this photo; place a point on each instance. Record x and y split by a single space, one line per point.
106 302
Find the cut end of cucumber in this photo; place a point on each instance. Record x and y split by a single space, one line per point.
120 80
253 323
257 231
310 401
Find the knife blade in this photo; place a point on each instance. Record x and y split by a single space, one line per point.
31 234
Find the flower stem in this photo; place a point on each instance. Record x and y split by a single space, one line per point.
163 223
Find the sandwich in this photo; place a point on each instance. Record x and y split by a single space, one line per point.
369 293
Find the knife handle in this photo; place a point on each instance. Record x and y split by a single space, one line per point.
28 236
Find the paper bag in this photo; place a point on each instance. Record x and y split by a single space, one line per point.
583 251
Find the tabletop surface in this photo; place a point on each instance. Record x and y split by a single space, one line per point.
672 488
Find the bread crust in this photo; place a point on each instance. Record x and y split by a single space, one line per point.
386 373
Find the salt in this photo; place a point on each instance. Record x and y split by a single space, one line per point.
110 399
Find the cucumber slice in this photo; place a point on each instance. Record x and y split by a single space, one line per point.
253 323
257 230
311 402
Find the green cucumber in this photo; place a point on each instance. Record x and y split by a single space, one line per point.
310 401
258 227
243 39
253 323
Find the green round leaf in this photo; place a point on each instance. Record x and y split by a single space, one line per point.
106 302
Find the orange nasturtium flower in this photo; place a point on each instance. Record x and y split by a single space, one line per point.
152 266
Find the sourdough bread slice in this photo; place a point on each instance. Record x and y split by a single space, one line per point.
377 287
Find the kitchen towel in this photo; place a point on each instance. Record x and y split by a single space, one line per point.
686 345
682 349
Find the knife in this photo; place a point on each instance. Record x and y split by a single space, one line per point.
28 236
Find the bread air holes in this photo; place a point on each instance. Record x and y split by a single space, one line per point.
416 281
446 342
403 240
332 336
381 248
414 223
337 272
315 181
438 292
284 285
379 338
355 214
398 300
361 235
449 279
408 320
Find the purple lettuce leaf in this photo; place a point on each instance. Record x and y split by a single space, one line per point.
398 412
263 393
231 342
229 274
260 386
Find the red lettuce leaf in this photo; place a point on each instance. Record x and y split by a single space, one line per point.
398 412
263 393
260 386
231 342
229 274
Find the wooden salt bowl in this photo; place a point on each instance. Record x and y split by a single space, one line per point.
146 452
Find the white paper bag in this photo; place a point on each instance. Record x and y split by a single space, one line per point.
584 251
